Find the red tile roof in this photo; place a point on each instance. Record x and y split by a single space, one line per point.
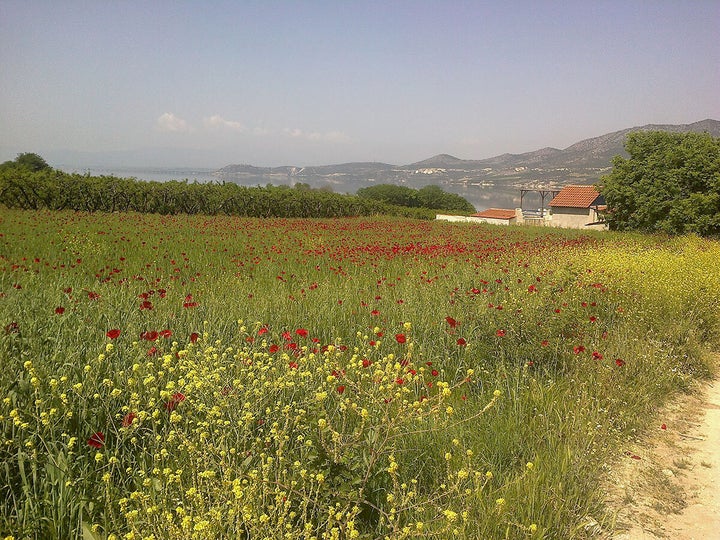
496 213
575 197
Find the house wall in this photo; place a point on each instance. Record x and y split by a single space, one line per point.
474 219
498 221
575 218
446 217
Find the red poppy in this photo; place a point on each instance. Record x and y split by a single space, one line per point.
375 312
663 427
452 322
366 362
59 310
96 440
597 356
113 334
93 295
194 337
128 419
12 328
147 304
340 389
273 349
400 380
400 338
293 365
577 349
500 333
461 342
150 335
165 333
619 362
544 343
435 373
262 330
176 398
301 332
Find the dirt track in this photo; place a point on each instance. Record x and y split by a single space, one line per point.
669 485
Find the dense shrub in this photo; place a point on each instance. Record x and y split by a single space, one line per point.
29 188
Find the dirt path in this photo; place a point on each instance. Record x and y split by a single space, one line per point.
668 487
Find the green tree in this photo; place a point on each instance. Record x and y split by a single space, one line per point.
28 161
432 197
390 194
436 198
670 183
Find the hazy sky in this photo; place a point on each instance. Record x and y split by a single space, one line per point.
208 83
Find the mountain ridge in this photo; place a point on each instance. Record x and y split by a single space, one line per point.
591 152
594 152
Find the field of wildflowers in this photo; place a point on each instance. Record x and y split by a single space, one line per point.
194 377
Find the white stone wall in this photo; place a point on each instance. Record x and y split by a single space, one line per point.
473 219
575 218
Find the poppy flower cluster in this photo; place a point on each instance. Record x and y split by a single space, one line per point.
96 440
174 401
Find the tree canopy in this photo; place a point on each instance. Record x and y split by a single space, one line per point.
432 197
28 161
669 184
23 187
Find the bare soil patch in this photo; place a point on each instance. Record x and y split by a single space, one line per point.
667 486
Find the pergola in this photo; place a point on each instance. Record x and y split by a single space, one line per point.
543 192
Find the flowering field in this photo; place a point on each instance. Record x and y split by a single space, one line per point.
192 377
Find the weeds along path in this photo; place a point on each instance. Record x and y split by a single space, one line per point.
673 490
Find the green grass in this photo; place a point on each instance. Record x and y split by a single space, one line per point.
355 378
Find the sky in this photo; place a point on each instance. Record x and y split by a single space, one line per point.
270 83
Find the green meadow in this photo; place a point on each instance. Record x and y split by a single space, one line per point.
222 377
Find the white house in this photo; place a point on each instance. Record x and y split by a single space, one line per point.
497 216
577 207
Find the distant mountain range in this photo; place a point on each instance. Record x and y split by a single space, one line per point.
497 179
595 153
